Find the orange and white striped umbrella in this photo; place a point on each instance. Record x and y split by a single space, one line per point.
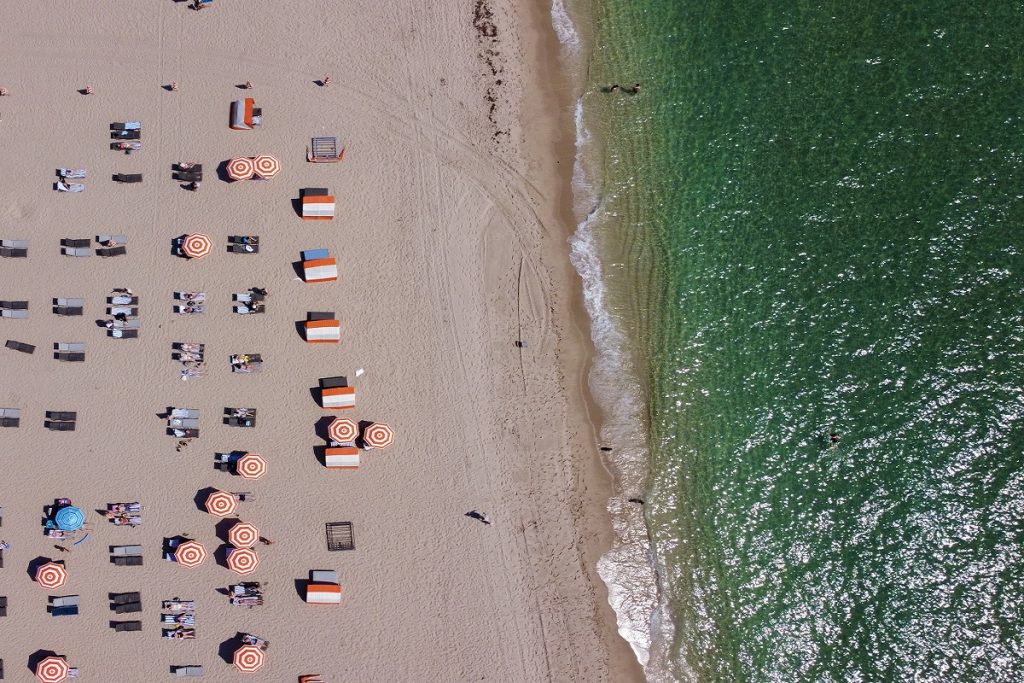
52 669
378 435
243 560
241 168
248 659
251 466
243 535
221 503
197 245
190 554
266 166
343 430
51 575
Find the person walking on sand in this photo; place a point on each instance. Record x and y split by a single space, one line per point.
325 81
635 89
266 541
248 85
614 87
479 516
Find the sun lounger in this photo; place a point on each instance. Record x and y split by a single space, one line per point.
133 324
75 251
123 300
112 251
68 242
128 608
14 305
183 619
59 426
70 357
62 415
191 309
126 550
187 168
68 310
333 382
64 600
240 421
320 315
183 433
123 626
130 311
129 561
179 633
69 611
128 177
71 346
250 310
6 313
185 412
20 346
14 244
118 240
76 173
9 252
125 134
183 422
123 334
127 146
126 125
191 671
188 176
244 248
70 187
73 303
244 239
10 417
3 606
125 598
177 605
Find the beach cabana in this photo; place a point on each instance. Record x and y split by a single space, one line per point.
343 430
51 575
243 560
69 518
251 466
320 270
323 331
243 535
221 503
248 659
336 398
317 205
378 435
343 458
52 669
266 165
190 554
197 245
323 594
245 115
241 168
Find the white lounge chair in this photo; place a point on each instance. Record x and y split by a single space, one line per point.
71 172
70 187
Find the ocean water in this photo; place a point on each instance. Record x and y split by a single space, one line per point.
811 219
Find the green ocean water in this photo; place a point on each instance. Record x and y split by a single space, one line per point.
812 219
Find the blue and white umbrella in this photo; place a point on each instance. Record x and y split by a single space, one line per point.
70 518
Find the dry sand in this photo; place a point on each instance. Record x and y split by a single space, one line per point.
451 238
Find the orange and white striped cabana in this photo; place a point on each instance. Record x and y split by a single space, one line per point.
251 466
221 503
244 115
266 166
378 435
311 678
323 594
343 430
197 245
323 331
190 554
51 575
343 458
318 207
243 560
52 669
336 398
248 659
320 270
243 535
241 168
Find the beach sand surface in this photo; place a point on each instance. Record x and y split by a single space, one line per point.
450 237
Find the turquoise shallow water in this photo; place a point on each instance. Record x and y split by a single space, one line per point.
813 220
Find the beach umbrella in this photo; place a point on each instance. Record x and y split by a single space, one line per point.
52 669
241 168
378 435
70 518
51 575
221 503
251 466
190 554
243 560
343 430
266 166
197 245
243 535
248 659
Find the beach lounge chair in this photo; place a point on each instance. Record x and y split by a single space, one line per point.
130 311
77 173
125 598
250 309
68 242
117 240
183 433
190 671
70 187
333 382
69 611
343 458
124 550
14 305
123 300
10 417
14 244
244 239
75 347
184 412
59 426
128 607
181 633
126 134
3 605
183 619
129 561
190 309
187 168
183 422
123 626
188 176
324 150
111 251
177 605
19 313
128 177
69 357
240 421
127 146
314 254
244 248
20 346
11 252
64 600
67 415
123 334
133 324
76 251
64 306
126 125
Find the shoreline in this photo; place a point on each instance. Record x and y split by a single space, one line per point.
552 104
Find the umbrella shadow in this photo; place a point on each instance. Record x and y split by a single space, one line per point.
35 564
38 656
296 204
300 588
317 394
320 453
322 425
223 527
300 272
220 555
201 496
300 329
226 650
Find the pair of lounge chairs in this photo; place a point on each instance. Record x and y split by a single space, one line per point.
14 309
240 417
187 173
61 420
76 247
126 603
244 244
73 352
10 417
246 362
112 245
14 248
64 606
67 306
188 353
